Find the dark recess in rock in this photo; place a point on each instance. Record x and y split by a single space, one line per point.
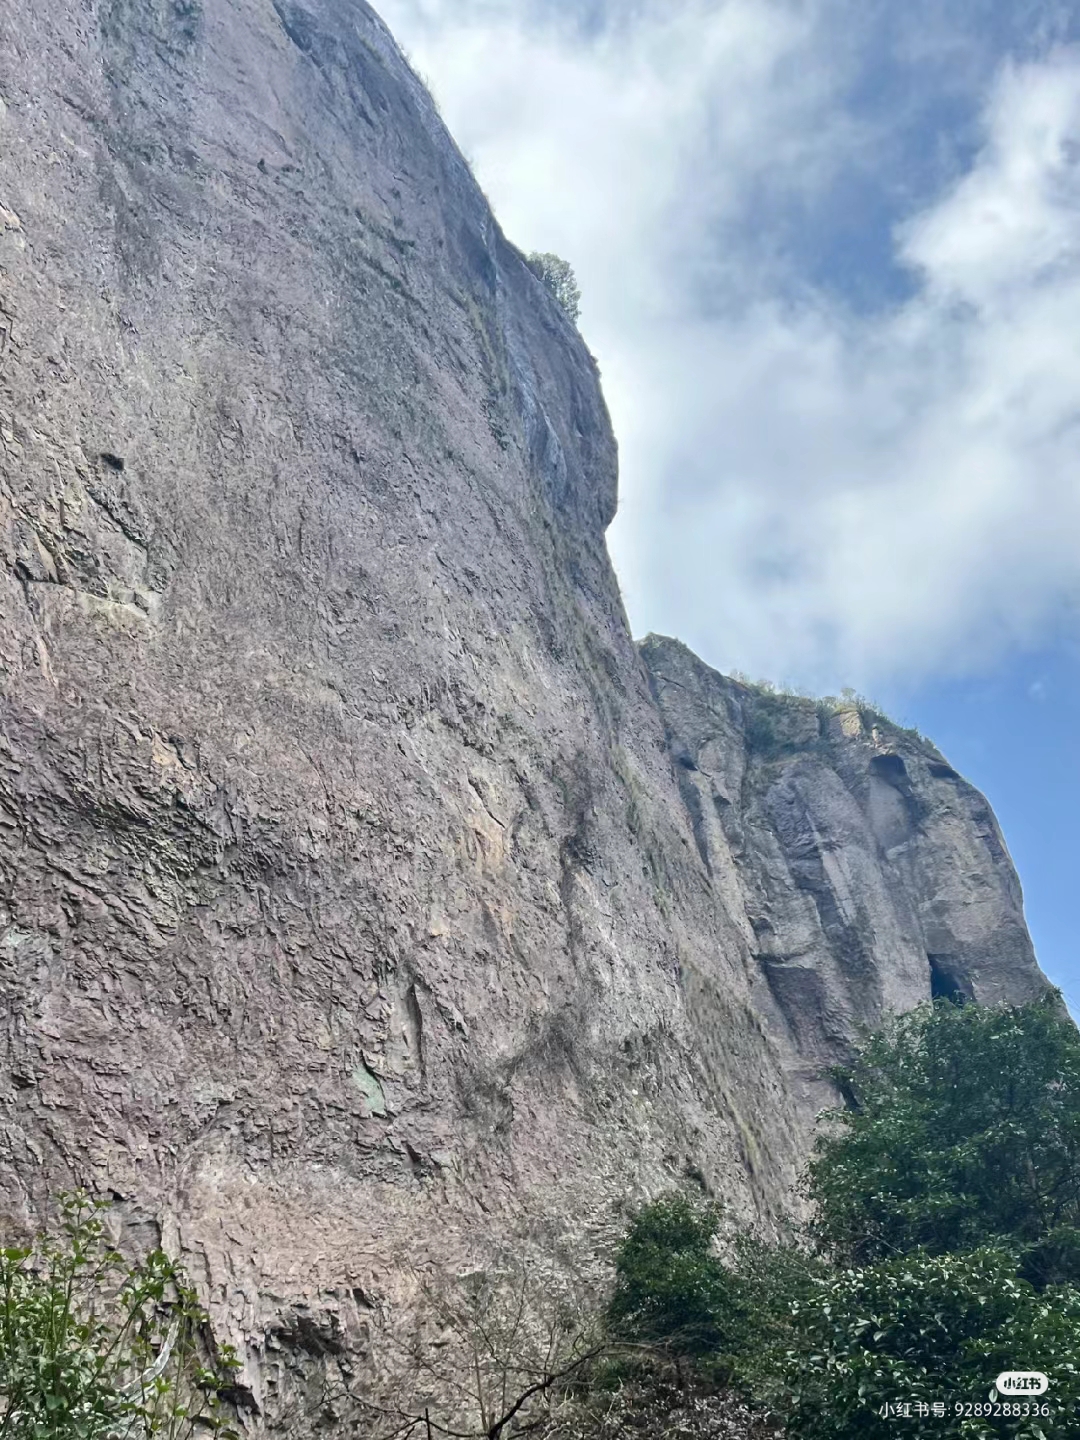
945 982
890 768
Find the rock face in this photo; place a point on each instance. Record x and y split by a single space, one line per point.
864 873
362 888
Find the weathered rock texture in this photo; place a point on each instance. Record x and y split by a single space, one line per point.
864 873
363 889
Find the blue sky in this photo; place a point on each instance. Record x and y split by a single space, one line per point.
830 260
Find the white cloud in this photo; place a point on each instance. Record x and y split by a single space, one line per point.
1012 222
809 490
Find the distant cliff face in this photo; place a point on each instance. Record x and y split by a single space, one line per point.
362 889
865 875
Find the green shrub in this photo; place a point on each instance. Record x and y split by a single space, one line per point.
558 276
926 1329
773 1278
94 1347
760 731
671 1290
948 1194
965 1126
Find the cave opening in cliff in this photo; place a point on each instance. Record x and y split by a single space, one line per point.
944 982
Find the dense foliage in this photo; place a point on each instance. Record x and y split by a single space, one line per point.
558 276
670 1288
965 1125
94 1347
944 1246
926 1330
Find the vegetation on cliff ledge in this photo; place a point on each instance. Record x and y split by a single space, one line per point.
557 275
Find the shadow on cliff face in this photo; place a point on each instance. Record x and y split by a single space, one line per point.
947 981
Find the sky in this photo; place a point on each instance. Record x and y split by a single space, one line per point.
829 253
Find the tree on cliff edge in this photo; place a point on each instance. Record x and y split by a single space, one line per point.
558 276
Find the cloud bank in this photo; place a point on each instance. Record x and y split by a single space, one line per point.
830 263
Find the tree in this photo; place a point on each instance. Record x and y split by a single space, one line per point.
558 276
964 1124
671 1289
948 1195
927 1329
93 1347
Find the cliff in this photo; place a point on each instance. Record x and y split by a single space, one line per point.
865 875
363 889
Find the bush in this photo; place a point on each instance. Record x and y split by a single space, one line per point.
653 1404
558 276
93 1347
965 1125
760 732
926 1329
947 1210
773 1278
671 1290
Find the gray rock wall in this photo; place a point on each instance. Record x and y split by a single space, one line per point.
359 895
864 874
